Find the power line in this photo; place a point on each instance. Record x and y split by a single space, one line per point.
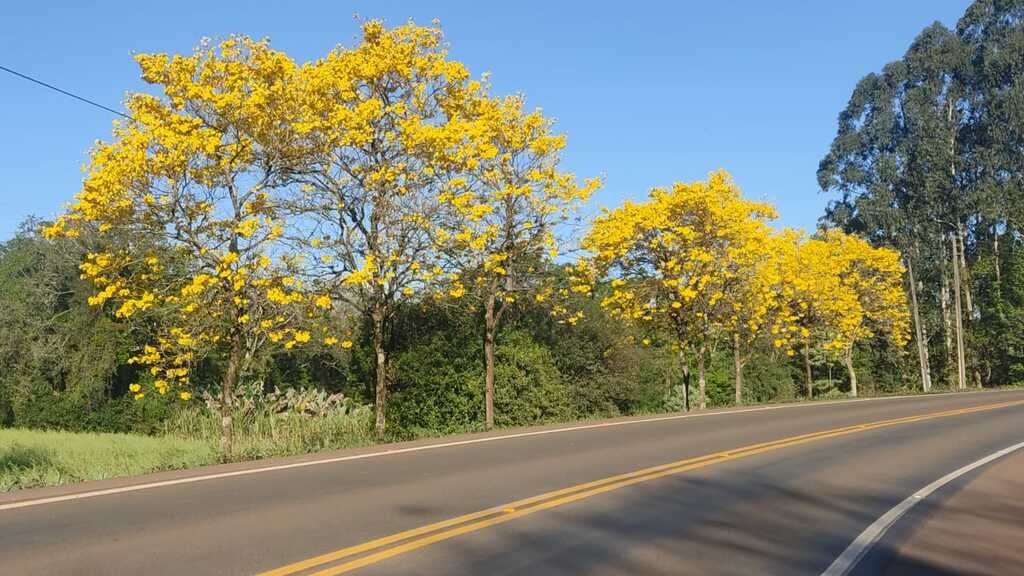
64 92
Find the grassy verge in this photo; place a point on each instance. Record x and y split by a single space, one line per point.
32 458
266 435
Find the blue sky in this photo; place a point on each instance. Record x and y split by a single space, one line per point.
648 92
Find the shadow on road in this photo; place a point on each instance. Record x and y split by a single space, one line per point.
764 521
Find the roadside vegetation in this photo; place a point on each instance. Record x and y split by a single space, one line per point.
33 458
273 258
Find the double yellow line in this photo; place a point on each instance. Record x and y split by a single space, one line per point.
416 538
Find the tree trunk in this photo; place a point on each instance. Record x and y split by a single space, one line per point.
227 397
965 272
685 364
379 316
995 257
947 317
807 368
738 361
490 322
961 370
848 360
965 275
701 381
958 259
922 346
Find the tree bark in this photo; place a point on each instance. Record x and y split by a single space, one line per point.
490 322
685 364
738 361
947 317
701 381
961 371
995 257
964 272
848 360
807 368
379 315
922 346
227 397
958 260
965 276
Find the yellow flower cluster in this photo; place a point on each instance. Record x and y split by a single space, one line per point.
699 258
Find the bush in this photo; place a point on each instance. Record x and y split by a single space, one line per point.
437 389
720 387
608 371
830 389
528 388
634 380
38 406
770 380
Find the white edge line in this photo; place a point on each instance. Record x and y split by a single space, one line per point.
248 471
853 554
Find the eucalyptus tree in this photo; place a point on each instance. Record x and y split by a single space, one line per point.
896 162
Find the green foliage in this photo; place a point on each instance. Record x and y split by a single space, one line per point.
262 433
63 361
528 388
278 423
609 372
928 150
767 379
882 370
719 386
437 389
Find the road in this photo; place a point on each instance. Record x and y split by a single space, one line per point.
777 490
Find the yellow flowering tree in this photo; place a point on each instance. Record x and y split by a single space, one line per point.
501 213
383 125
755 307
185 203
843 290
675 259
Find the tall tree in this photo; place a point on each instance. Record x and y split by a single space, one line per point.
674 259
932 144
895 162
845 290
502 214
755 308
185 202
383 124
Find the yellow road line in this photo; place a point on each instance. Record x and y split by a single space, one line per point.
447 529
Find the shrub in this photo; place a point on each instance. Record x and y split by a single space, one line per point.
769 380
528 388
436 390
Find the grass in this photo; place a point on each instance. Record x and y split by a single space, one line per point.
265 435
33 458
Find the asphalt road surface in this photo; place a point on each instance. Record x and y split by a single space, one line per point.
776 490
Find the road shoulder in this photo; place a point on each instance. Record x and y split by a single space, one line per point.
977 530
